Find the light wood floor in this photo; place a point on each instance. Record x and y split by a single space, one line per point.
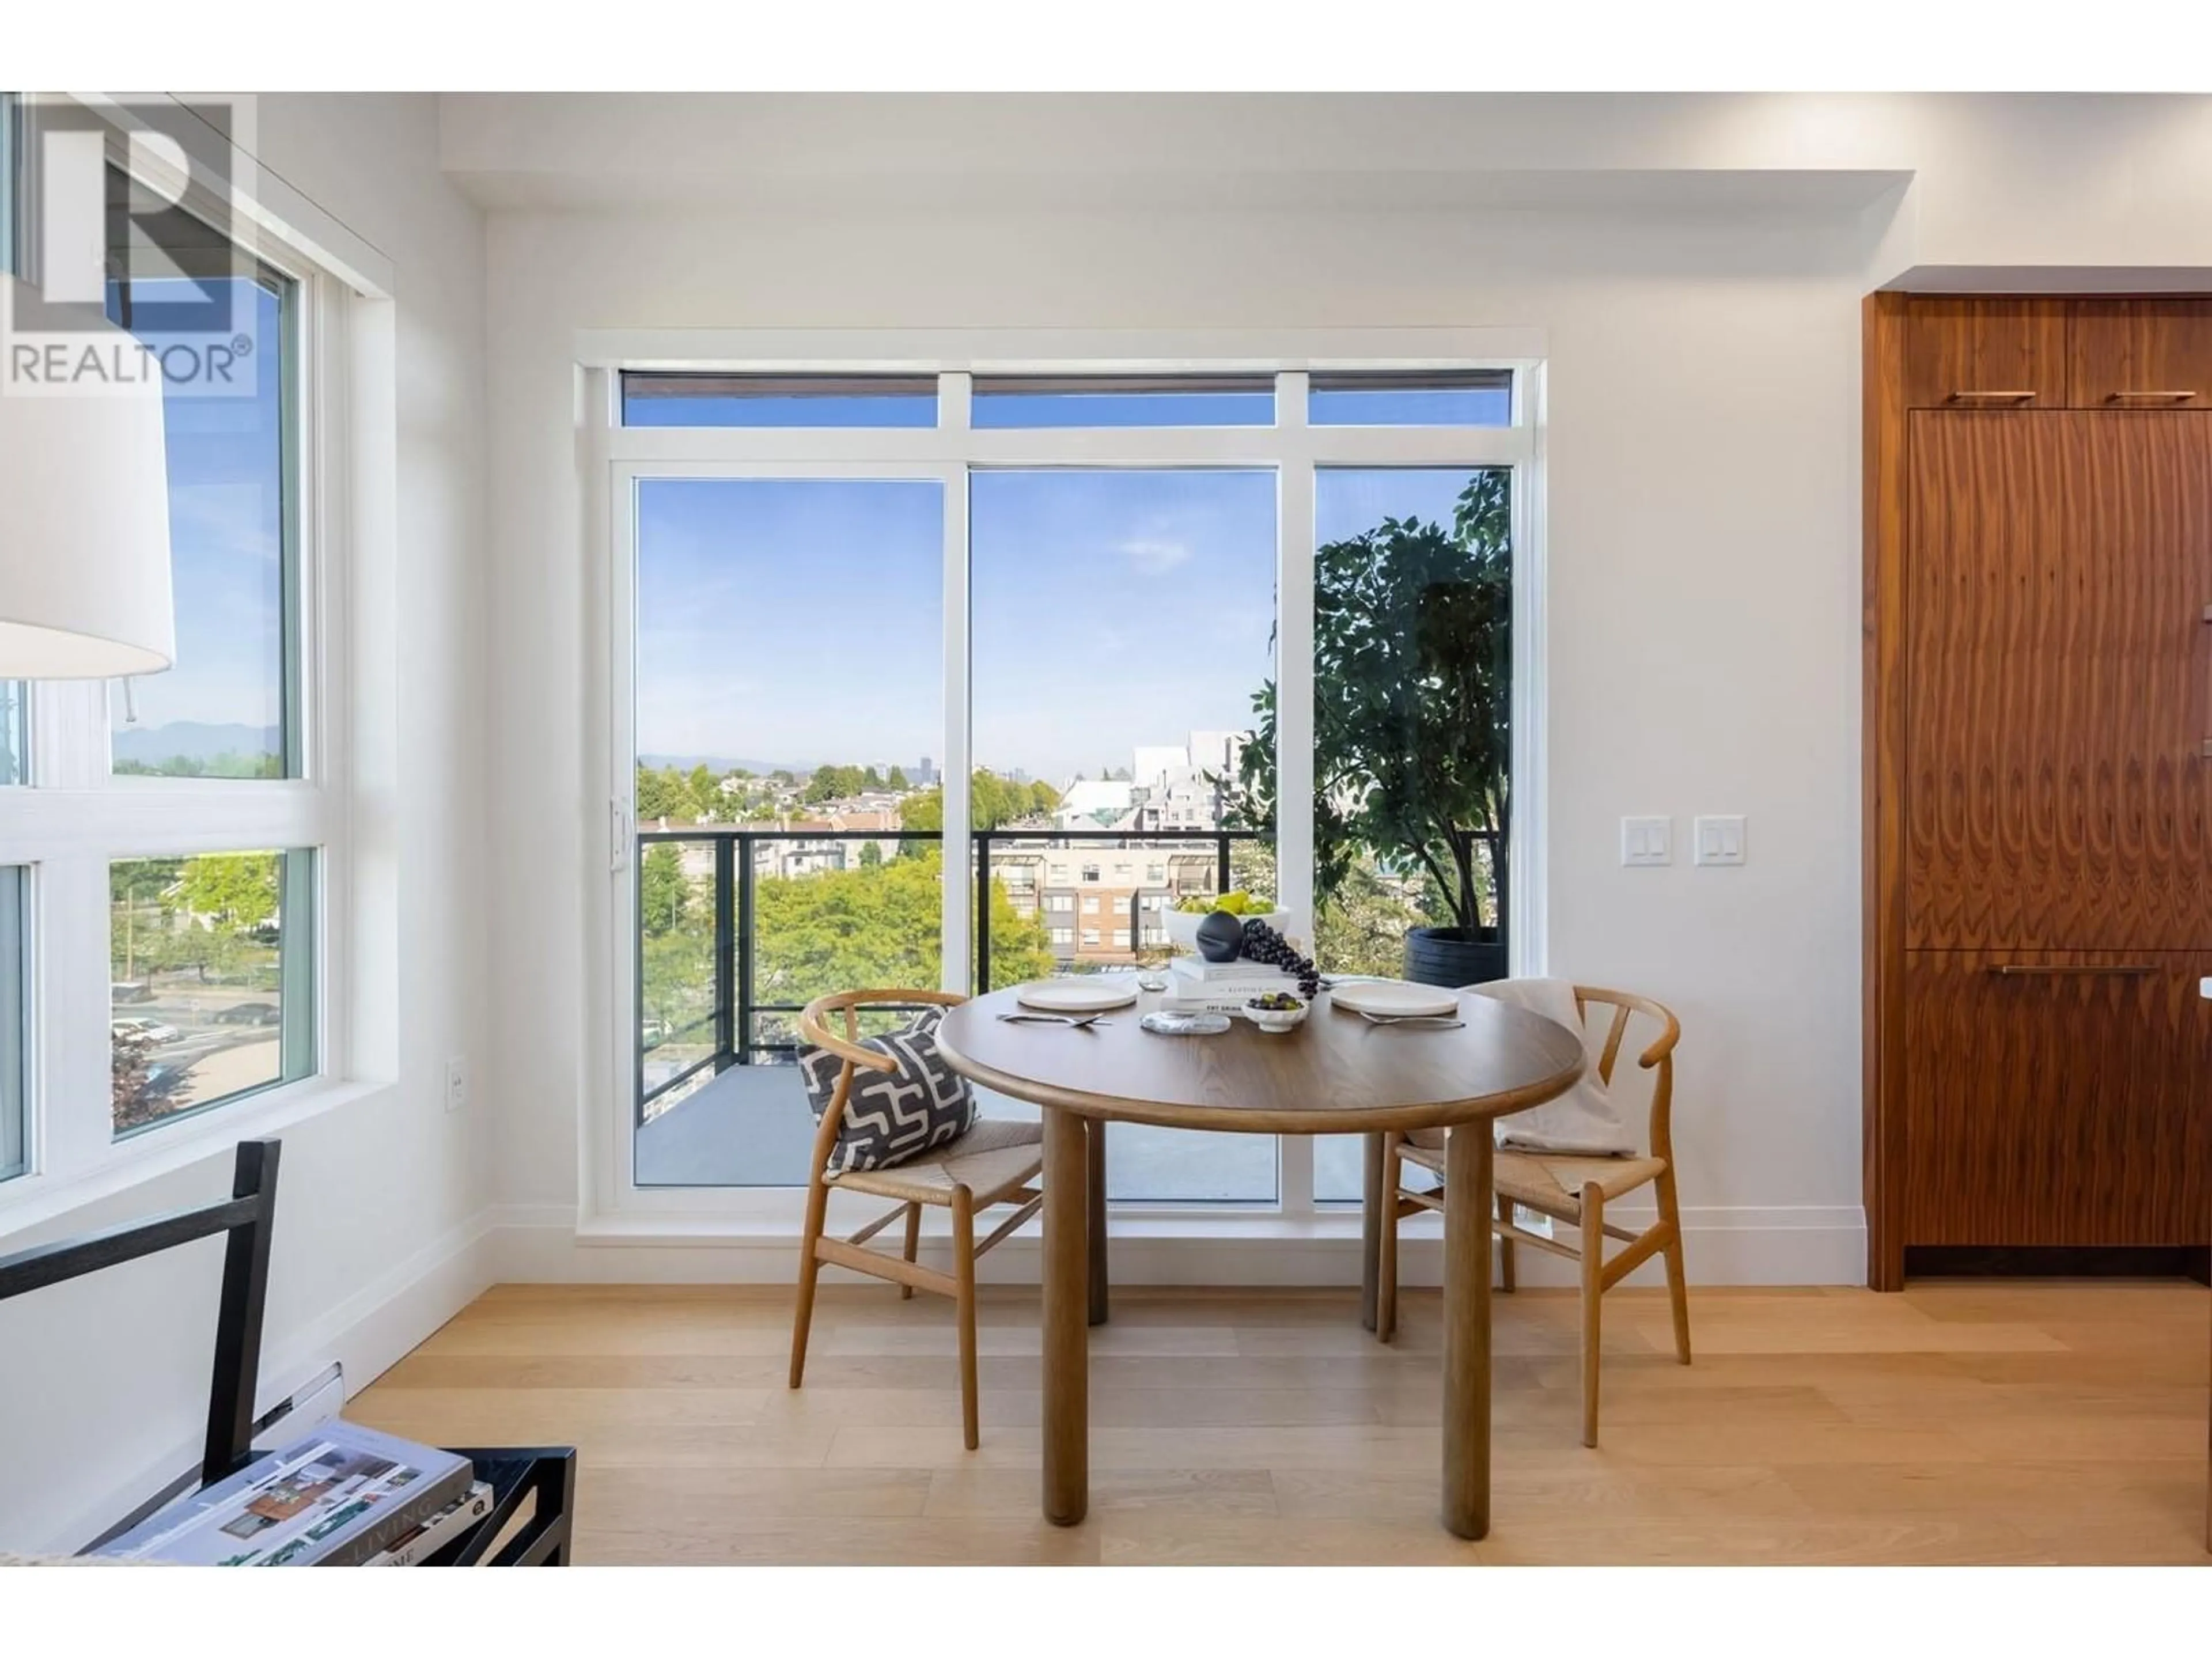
1961 1422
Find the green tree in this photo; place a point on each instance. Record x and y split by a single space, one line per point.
663 893
874 926
897 779
1412 688
872 854
661 794
704 792
236 892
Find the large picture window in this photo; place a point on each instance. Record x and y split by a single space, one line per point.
845 590
167 842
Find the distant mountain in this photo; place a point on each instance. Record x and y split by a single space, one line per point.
194 740
718 765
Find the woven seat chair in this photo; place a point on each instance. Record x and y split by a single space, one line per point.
1570 1189
996 1162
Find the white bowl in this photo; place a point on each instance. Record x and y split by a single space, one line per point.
1276 1021
1182 925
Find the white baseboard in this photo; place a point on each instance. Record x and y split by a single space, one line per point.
1805 1245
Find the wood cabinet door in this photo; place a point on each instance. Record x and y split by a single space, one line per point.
1997 352
2141 354
2059 681
2066 1101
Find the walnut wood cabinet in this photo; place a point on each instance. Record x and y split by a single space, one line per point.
2039 773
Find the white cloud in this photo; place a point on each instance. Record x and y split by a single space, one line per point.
1155 556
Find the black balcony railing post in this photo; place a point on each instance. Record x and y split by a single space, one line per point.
982 839
1221 873
726 946
740 1041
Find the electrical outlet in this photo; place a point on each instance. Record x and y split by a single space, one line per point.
457 1084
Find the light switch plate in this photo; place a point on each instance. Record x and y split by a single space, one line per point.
457 1084
1719 840
1647 842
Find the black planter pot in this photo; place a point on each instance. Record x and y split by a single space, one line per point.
1453 956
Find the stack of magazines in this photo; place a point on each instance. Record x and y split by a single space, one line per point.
344 1495
1198 987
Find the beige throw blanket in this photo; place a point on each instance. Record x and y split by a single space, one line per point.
1584 1120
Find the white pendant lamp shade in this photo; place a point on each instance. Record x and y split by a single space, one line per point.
84 526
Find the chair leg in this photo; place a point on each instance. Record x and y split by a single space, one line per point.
809 1266
1505 1243
964 1272
913 1244
1386 1271
1678 1284
1593 1254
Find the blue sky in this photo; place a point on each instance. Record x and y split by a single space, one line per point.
226 531
802 620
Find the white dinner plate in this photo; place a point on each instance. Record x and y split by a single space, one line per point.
1078 996
1392 996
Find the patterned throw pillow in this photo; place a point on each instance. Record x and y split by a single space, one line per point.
891 1116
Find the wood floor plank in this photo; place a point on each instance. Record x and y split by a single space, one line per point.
1954 1423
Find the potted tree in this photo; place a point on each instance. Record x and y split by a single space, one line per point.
1413 725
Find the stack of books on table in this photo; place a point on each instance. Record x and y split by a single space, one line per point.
342 1496
1196 985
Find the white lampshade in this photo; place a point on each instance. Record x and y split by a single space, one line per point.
84 529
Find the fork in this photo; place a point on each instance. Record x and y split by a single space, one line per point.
1083 1024
1442 1022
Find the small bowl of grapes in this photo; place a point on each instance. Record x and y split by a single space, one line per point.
1276 1013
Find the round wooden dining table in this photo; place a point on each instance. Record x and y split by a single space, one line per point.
1337 1074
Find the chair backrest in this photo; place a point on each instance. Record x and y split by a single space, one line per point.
1659 1053
814 1026
814 1021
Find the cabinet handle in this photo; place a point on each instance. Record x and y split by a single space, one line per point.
2149 396
2121 969
1974 396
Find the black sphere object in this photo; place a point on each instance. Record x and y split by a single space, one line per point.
1220 937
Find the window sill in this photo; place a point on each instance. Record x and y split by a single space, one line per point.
32 1200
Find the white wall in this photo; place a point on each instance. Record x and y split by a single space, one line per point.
1703 329
102 1380
1703 553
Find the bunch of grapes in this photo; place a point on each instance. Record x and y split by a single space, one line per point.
1263 944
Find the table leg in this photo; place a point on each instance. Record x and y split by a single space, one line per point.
1098 1213
1370 1230
1468 1161
1066 1307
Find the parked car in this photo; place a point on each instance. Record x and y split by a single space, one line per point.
145 1030
131 991
249 1013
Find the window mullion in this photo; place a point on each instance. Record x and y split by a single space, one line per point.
72 1095
1294 713
961 889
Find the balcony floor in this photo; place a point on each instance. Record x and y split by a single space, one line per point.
751 1127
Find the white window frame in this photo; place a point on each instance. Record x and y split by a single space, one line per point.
611 1207
73 817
